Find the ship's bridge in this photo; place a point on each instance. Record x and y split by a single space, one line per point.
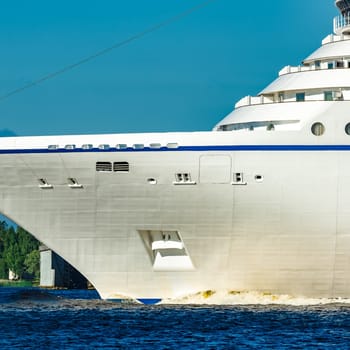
323 78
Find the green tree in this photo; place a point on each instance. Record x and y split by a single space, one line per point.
32 263
12 254
3 265
17 245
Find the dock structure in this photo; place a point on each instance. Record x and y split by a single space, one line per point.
55 272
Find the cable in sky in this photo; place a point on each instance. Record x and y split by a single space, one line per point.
107 49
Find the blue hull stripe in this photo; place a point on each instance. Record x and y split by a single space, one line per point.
236 148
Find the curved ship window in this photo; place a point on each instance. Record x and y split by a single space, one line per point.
318 129
138 146
347 128
69 146
155 145
52 147
86 146
122 146
104 146
104 166
121 167
255 125
172 145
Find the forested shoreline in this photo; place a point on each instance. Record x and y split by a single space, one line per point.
19 253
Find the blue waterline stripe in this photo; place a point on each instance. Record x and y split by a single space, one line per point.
238 148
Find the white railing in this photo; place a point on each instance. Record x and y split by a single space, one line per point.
253 100
341 22
297 69
332 38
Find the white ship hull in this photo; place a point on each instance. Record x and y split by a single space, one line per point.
261 204
284 229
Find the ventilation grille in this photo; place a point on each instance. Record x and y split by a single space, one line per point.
121 167
103 166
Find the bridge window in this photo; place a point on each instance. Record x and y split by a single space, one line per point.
300 96
328 95
330 65
263 124
340 64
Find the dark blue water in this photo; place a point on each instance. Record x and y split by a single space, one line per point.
37 319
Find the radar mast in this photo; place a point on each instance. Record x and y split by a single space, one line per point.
342 22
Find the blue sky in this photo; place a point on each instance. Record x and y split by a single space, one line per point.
184 77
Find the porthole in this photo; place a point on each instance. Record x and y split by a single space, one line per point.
347 128
318 129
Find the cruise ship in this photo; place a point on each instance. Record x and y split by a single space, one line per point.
260 203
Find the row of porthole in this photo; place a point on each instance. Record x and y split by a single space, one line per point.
118 146
318 129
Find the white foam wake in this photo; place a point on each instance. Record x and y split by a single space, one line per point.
249 298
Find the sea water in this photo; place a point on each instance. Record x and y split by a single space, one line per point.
32 318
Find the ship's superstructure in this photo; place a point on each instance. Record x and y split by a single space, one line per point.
261 203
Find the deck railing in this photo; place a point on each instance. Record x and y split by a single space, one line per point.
341 22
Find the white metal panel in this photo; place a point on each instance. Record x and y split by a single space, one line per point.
215 169
318 79
331 50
